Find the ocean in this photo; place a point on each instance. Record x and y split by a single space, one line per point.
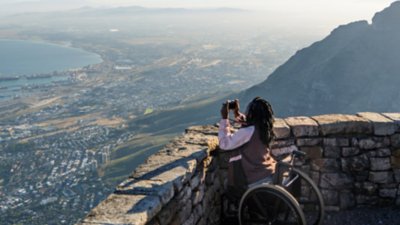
20 59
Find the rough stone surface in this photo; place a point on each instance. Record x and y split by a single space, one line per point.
302 126
388 193
312 152
367 143
355 164
383 152
394 117
395 140
165 191
382 125
381 177
125 209
332 152
284 150
281 129
308 141
350 151
341 142
343 124
379 164
330 196
325 165
336 181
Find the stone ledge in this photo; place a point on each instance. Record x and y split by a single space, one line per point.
281 129
382 125
346 154
303 126
124 209
343 124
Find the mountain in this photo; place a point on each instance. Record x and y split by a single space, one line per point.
356 68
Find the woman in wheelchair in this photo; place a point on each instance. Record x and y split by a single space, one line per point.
250 162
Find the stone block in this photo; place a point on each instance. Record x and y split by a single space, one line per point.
397 175
350 151
382 124
156 163
367 188
198 213
303 126
355 163
312 152
185 194
379 164
332 152
395 117
395 140
325 165
331 197
167 212
343 124
383 152
281 129
185 212
125 209
347 200
189 221
198 195
367 144
195 181
165 191
284 150
282 143
388 193
336 181
341 142
361 175
381 177
308 141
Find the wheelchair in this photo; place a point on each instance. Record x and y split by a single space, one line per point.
291 198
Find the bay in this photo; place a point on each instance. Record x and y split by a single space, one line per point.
19 57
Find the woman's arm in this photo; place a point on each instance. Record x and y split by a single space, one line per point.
230 141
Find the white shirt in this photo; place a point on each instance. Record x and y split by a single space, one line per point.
230 141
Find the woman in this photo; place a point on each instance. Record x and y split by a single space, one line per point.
251 162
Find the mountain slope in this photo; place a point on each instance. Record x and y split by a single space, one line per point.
356 68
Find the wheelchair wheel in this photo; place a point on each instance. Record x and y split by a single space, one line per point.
306 192
269 204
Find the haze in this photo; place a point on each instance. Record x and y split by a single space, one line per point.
328 12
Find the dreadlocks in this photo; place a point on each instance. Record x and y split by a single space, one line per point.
260 114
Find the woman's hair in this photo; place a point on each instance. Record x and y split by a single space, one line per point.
260 114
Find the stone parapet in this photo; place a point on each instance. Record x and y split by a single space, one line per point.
354 160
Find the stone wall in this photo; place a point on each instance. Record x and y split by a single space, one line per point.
354 159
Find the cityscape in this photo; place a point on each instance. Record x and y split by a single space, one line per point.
65 136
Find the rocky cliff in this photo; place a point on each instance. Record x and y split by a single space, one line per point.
355 68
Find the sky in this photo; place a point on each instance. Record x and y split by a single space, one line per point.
337 12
